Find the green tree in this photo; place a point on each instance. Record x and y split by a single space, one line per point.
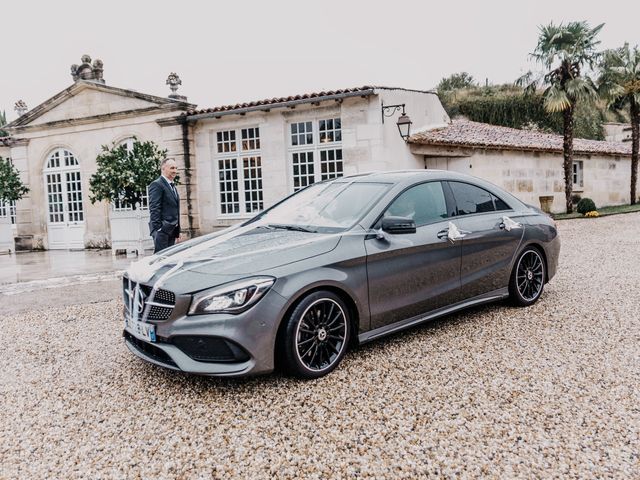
565 51
124 174
456 81
3 122
619 83
11 187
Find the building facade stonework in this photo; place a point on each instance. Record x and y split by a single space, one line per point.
55 146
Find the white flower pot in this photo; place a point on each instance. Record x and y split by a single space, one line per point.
130 231
7 244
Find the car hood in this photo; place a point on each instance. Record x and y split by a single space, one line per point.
223 258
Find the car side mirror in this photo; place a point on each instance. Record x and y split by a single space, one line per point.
398 225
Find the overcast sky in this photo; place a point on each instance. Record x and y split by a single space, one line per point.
241 50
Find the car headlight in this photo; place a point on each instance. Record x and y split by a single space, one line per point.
234 297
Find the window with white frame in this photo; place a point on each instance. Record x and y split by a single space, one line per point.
315 150
330 130
578 174
8 209
117 204
239 166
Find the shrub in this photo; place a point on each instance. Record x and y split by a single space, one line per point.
11 186
123 174
586 205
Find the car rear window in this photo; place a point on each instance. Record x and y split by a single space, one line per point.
471 199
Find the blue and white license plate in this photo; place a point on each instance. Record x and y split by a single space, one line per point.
141 330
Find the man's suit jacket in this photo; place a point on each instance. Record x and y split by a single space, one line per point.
164 208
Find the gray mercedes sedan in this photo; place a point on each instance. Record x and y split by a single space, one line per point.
338 263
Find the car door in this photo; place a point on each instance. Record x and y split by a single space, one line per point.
410 274
488 245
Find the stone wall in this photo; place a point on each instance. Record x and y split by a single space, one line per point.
617 132
529 175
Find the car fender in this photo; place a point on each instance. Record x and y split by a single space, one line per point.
353 284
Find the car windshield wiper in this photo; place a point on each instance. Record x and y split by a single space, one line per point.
294 228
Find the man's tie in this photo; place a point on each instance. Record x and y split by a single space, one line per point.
173 187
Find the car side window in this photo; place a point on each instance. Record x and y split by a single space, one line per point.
422 203
471 199
500 204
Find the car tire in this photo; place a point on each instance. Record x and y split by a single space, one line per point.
527 278
316 335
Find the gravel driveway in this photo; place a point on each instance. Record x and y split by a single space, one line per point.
552 390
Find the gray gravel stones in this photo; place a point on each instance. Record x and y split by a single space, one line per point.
549 391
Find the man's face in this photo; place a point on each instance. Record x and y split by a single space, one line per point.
170 170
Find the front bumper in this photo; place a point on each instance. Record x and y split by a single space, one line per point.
253 331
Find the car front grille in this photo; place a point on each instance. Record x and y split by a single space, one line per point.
137 295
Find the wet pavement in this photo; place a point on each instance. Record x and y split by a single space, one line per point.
37 267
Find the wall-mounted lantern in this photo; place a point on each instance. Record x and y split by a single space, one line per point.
403 123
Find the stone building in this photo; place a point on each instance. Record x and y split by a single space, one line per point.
528 164
236 160
55 144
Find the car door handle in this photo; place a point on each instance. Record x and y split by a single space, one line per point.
443 233
507 224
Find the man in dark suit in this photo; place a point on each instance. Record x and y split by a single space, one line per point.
164 207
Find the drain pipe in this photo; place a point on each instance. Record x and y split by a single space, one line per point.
186 147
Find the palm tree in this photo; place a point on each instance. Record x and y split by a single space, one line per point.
619 83
565 51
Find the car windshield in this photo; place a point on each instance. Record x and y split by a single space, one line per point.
325 207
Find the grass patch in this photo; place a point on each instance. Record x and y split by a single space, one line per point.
604 211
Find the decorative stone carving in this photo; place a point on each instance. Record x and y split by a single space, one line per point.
21 107
87 71
173 80
98 70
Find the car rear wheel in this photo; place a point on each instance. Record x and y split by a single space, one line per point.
527 279
316 336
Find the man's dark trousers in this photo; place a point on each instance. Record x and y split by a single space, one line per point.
164 209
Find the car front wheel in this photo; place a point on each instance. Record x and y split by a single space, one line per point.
316 336
527 279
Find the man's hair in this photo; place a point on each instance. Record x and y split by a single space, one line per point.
165 161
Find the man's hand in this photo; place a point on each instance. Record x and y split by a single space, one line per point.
181 238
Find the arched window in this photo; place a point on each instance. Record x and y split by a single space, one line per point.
64 187
61 158
65 205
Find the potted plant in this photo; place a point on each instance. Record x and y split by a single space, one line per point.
546 203
11 190
122 175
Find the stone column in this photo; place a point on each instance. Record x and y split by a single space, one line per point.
25 208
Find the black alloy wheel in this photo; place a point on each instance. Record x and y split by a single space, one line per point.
527 278
317 335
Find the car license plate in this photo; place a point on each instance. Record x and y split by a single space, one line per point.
141 330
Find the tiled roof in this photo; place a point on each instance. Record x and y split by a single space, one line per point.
473 134
6 141
304 98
